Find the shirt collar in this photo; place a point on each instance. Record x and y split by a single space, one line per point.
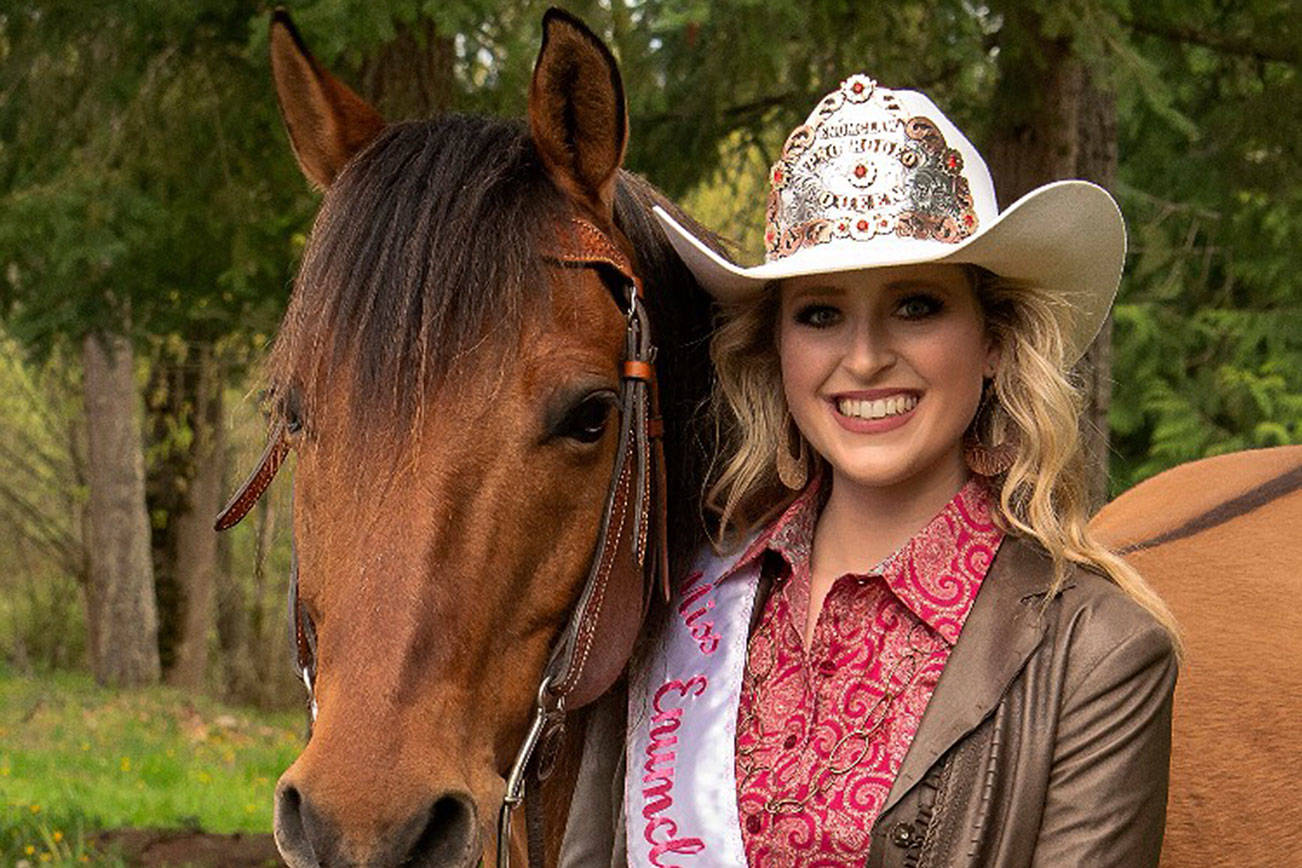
790 534
936 573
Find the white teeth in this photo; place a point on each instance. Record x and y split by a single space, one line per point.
879 409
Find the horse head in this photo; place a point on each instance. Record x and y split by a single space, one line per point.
449 374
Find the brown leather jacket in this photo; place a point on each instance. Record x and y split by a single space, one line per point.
1046 742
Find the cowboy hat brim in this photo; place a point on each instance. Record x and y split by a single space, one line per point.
1067 238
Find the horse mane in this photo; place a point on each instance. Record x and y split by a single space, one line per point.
424 256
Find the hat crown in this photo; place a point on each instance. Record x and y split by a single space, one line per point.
876 166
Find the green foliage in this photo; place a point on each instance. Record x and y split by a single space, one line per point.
146 758
715 79
32 835
1208 342
135 178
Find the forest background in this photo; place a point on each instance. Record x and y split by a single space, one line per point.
151 217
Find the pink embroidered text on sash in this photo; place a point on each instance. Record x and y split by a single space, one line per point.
679 791
696 603
661 830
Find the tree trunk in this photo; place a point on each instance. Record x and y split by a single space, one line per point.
1054 122
121 588
412 76
195 567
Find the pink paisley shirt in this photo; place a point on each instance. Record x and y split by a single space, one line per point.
821 733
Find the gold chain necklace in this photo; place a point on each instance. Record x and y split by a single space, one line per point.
906 667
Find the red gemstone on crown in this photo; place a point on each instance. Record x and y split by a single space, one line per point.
857 87
860 171
862 225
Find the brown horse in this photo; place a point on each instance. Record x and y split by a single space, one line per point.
451 390
1221 540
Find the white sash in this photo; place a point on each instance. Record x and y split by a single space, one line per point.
680 787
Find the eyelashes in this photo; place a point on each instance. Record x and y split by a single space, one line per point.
919 305
912 307
818 315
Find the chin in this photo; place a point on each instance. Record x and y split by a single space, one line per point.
896 468
878 478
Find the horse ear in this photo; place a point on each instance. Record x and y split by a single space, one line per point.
327 122
576 113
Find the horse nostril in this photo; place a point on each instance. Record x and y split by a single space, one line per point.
290 837
301 836
450 834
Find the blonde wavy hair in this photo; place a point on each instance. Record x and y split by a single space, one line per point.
1032 402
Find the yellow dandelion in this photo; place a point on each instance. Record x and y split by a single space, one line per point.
126 764
29 849
36 809
57 836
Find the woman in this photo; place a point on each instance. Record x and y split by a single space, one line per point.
910 652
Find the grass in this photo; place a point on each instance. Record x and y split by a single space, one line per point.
75 758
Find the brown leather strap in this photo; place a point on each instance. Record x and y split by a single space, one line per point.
639 371
582 243
534 834
253 488
617 593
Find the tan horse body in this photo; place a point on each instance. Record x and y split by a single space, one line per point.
1221 541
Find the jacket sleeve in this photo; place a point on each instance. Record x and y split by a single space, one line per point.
1106 803
594 831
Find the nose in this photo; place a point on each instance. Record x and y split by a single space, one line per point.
870 350
443 834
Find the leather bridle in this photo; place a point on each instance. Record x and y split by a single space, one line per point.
630 562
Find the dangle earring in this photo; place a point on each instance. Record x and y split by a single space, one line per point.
793 469
983 459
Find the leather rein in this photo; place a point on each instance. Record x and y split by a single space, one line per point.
629 563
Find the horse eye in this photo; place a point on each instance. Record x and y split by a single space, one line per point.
586 421
291 407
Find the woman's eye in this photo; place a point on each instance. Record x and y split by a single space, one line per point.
586 421
918 306
818 315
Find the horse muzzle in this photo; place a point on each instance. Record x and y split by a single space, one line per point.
441 834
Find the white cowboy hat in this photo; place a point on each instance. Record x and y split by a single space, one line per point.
879 177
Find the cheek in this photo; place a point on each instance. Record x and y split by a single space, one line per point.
955 361
803 369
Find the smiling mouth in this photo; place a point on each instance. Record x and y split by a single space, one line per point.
896 405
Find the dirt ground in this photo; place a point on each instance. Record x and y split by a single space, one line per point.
157 847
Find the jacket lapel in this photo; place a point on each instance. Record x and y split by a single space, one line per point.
1002 629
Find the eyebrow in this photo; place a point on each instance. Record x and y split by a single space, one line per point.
822 290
